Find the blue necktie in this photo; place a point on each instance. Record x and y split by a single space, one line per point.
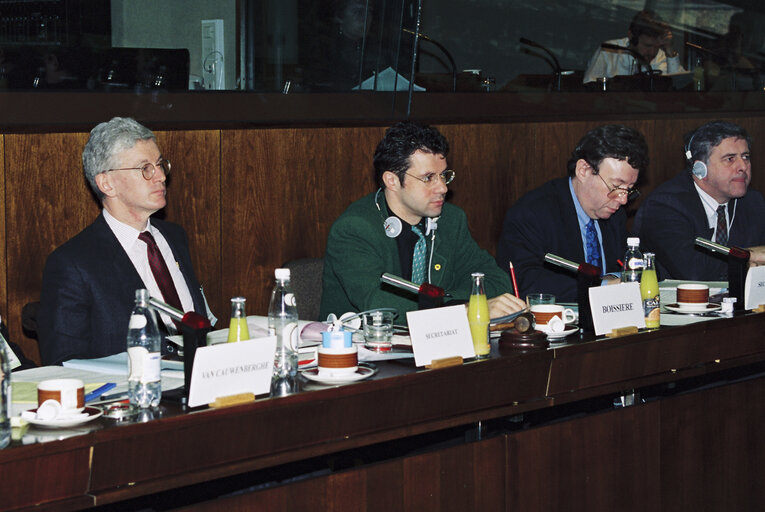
593 245
418 258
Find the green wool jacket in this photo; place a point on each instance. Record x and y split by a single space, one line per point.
359 252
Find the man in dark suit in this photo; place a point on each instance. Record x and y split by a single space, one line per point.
579 217
89 282
709 198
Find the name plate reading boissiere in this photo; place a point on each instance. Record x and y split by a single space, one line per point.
616 306
232 368
439 333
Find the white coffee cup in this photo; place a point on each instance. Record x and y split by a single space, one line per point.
544 312
69 393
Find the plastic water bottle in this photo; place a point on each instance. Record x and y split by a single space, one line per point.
283 322
144 345
5 396
633 261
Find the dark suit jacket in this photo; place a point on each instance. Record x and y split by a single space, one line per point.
88 292
673 215
542 221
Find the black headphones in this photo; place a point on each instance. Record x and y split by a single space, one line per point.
699 168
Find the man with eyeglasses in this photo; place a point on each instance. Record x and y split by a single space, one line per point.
89 282
407 229
579 217
709 199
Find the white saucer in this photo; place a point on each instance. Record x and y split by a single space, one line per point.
362 373
65 422
701 308
562 334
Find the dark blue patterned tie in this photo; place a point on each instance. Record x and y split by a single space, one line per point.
722 226
593 245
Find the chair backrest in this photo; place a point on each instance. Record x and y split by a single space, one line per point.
306 281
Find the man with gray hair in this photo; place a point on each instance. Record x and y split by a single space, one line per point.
711 199
89 282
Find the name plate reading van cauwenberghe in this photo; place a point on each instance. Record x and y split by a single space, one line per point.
616 306
440 333
231 368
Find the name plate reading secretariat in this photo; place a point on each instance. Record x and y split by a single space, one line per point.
754 288
616 306
440 333
228 369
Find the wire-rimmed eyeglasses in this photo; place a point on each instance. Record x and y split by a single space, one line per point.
446 176
619 192
148 169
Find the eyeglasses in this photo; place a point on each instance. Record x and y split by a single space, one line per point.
446 176
148 169
619 192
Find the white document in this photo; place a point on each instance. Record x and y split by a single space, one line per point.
440 333
754 288
232 368
616 306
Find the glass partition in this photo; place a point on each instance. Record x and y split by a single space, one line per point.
418 46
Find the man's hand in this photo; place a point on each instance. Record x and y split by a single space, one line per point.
756 255
666 44
504 305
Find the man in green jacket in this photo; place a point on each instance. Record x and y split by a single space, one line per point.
406 229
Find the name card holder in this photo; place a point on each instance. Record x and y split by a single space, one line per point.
616 307
446 362
622 331
228 401
440 333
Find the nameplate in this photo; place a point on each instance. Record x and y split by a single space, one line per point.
754 288
232 368
616 306
439 333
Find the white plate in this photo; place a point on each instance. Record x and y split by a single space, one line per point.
701 308
560 335
92 413
362 373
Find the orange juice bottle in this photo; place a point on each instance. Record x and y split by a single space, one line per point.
237 328
649 291
478 317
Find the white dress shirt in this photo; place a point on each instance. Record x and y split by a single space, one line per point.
136 251
710 208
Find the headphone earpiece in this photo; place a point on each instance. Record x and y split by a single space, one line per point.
699 169
392 226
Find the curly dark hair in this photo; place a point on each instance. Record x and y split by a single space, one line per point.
611 141
399 144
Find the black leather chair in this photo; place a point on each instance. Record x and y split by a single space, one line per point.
306 281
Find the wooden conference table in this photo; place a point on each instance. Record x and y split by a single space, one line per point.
520 431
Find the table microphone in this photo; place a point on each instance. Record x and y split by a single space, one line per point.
429 295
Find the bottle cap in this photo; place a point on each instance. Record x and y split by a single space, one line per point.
282 273
633 241
142 294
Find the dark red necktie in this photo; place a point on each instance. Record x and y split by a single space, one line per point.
722 226
160 271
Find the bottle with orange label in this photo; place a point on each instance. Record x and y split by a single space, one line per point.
649 291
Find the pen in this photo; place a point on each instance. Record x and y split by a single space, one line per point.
620 262
113 396
99 391
512 274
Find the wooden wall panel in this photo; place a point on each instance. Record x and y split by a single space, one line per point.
458 479
3 237
607 461
46 203
194 201
283 188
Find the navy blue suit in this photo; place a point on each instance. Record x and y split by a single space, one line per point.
673 215
88 292
544 220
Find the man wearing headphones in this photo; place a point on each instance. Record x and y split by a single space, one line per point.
710 199
579 217
407 229
649 37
